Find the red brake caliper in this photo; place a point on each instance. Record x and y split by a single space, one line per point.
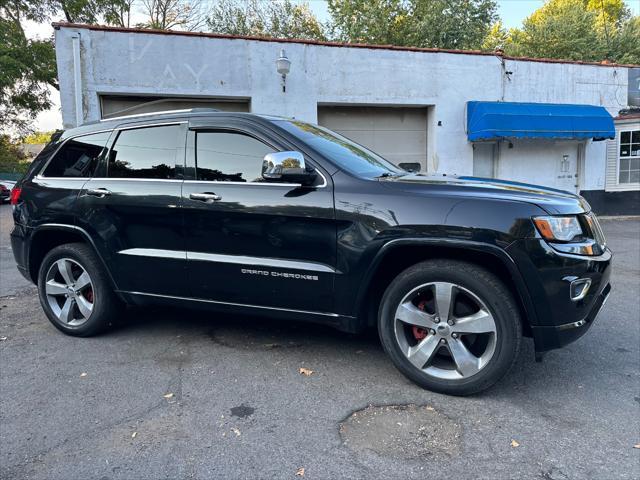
89 295
420 333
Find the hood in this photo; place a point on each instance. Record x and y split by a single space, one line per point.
551 200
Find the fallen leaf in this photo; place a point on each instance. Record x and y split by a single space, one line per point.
431 409
514 444
83 374
300 472
637 445
168 395
305 371
3 338
236 431
134 434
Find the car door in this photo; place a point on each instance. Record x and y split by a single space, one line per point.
131 208
250 241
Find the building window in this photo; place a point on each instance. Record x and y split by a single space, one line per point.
629 171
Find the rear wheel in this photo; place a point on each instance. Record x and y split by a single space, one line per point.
75 292
452 327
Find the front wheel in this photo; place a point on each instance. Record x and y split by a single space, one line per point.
450 326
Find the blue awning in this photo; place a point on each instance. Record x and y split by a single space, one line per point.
496 120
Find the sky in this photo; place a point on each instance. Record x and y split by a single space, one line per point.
512 13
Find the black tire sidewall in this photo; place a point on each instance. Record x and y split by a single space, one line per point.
103 294
489 289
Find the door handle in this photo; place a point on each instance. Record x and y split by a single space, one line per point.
206 197
98 192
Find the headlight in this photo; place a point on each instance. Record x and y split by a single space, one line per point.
563 229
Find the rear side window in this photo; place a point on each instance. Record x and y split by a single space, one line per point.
145 153
230 157
78 157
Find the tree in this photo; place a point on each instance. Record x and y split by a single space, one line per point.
587 30
497 38
457 24
277 19
559 29
119 13
460 24
38 138
173 14
382 22
27 66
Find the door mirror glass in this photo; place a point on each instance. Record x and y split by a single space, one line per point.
287 166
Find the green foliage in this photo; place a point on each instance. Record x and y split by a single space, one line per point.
38 138
26 67
626 43
278 19
586 30
12 159
459 24
497 38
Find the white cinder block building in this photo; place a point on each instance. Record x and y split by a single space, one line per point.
411 105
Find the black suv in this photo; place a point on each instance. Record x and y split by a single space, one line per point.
260 214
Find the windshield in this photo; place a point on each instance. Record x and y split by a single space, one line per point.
346 154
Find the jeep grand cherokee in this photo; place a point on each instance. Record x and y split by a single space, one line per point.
266 215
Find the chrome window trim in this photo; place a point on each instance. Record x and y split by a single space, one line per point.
272 184
39 177
230 259
218 302
126 179
265 184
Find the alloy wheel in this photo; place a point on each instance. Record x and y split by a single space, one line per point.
69 292
445 330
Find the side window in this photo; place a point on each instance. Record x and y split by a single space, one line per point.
78 157
229 157
145 153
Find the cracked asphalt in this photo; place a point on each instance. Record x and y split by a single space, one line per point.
191 394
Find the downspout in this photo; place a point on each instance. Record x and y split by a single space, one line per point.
77 78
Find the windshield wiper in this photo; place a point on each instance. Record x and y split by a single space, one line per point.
390 175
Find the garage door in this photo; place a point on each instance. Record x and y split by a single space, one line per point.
398 134
115 105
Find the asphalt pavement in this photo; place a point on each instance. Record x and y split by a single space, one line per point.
187 394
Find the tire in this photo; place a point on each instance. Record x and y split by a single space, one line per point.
93 306
421 338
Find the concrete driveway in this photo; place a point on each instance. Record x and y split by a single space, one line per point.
187 394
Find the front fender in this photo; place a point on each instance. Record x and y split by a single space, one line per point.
438 247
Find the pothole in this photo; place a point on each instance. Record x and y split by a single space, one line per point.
402 431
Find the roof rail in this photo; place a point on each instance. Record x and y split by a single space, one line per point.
162 112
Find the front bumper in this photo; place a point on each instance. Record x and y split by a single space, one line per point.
557 319
550 337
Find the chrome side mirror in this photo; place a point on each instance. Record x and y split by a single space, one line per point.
285 166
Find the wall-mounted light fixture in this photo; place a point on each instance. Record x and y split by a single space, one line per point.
283 65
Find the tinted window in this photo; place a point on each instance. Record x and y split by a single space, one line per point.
145 153
78 157
343 152
230 157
